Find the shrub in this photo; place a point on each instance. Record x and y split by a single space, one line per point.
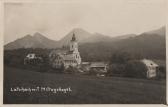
43 68
71 70
93 71
135 69
121 57
116 70
161 72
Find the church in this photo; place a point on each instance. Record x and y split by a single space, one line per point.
66 57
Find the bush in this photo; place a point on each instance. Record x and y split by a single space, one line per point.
43 68
116 70
161 72
93 71
135 69
121 57
71 70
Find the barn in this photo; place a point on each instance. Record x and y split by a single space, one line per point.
152 68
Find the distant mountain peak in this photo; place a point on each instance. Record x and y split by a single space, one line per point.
28 36
38 40
79 33
39 37
161 31
35 41
37 34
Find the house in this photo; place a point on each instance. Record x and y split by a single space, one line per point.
66 57
99 67
32 58
151 68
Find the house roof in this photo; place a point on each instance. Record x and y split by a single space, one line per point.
67 57
85 63
148 62
98 64
160 62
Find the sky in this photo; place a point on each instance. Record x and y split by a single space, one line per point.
55 19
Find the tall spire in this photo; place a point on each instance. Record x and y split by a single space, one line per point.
73 37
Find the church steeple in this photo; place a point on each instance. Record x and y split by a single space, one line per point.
73 44
73 37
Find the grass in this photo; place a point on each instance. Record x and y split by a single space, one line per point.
85 89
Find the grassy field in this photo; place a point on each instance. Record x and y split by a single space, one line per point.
85 89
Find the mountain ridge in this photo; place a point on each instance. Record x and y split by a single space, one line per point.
38 40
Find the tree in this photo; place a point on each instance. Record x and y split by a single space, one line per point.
135 69
71 69
116 70
121 57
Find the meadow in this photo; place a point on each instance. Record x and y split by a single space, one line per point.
85 89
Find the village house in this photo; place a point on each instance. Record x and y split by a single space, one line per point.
66 57
99 67
32 58
152 68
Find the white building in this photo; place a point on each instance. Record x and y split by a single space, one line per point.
64 57
32 58
99 66
151 68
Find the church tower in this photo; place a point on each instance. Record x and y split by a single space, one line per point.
74 49
73 44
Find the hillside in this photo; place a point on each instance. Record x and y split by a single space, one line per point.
100 47
161 31
40 41
145 45
28 41
80 35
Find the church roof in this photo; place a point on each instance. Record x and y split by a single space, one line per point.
59 51
68 57
64 54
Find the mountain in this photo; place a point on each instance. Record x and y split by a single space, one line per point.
150 45
161 31
40 41
124 36
80 35
86 37
28 41
47 43
97 37
100 47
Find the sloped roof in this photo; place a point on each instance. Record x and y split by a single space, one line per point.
98 64
148 62
85 63
64 54
160 62
68 57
